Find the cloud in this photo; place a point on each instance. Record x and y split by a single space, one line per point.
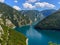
2 1
17 7
58 2
16 1
28 5
44 5
38 4
31 0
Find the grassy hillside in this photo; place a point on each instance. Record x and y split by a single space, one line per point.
11 37
50 22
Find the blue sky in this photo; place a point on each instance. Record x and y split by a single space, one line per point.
33 4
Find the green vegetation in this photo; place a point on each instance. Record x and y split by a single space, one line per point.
50 22
12 37
51 43
10 18
16 18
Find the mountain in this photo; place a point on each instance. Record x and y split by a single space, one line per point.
34 15
9 19
51 22
9 36
48 12
12 17
8 14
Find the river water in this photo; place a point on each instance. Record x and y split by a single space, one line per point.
40 37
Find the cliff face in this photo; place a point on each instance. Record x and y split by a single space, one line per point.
34 15
50 22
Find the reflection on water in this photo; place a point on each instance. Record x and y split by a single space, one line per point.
33 36
40 37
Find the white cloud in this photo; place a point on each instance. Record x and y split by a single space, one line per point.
38 5
44 5
17 7
2 1
31 0
16 1
28 5
58 2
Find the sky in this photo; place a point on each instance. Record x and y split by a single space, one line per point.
33 4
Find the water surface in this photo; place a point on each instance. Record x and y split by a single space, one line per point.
40 37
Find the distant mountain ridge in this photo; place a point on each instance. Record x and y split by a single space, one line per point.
48 12
51 22
33 15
